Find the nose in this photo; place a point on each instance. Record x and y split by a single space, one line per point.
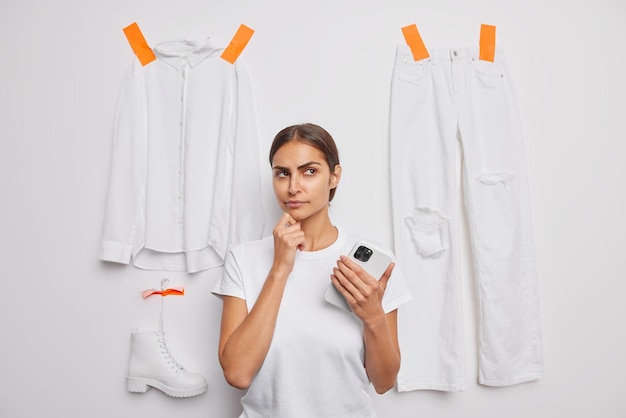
294 185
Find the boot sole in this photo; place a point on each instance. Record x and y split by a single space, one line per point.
141 385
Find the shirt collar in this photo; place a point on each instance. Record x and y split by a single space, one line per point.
179 53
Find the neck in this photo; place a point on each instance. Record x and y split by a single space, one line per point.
319 232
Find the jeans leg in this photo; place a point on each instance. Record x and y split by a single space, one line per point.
498 208
424 205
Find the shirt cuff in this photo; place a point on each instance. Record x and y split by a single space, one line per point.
115 252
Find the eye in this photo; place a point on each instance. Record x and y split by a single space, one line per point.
310 171
281 173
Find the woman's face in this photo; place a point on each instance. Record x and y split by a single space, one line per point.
302 179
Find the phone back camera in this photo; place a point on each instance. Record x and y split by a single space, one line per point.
363 253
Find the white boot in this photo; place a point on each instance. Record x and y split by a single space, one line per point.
151 364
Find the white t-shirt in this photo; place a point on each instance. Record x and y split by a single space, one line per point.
315 363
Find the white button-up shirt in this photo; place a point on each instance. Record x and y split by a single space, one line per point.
185 179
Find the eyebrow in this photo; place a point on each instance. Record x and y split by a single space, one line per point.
277 167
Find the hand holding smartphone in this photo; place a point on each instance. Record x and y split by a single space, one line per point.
374 260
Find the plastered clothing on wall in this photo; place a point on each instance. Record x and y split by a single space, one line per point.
452 96
184 182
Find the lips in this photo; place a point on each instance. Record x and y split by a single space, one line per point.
294 204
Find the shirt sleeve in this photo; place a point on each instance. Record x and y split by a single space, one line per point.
123 212
247 213
231 282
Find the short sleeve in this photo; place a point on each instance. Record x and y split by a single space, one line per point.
231 282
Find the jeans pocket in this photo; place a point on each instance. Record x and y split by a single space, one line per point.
488 88
415 79
488 74
414 72
428 231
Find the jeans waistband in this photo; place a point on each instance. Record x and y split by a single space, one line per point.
447 54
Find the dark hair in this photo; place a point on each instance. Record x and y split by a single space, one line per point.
313 135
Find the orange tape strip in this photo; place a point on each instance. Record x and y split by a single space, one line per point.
414 41
487 43
174 291
238 43
138 44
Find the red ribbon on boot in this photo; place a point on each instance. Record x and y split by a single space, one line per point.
173 291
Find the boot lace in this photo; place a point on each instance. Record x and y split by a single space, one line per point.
167 355
165 351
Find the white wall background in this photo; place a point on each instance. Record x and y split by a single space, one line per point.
66 317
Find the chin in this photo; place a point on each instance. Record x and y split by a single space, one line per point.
296 214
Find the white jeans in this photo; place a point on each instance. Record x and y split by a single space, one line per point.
435 102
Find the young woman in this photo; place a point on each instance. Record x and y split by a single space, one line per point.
296 354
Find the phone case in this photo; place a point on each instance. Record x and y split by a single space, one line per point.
373 259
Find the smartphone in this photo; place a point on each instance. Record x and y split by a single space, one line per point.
373 259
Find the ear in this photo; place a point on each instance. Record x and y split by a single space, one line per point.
335 177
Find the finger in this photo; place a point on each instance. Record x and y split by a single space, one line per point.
285 231
290 220
348 284
292 237
347 274
291 228
285 220
299 239
355 272
341 289
384 279
348 265
281 223
349 262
